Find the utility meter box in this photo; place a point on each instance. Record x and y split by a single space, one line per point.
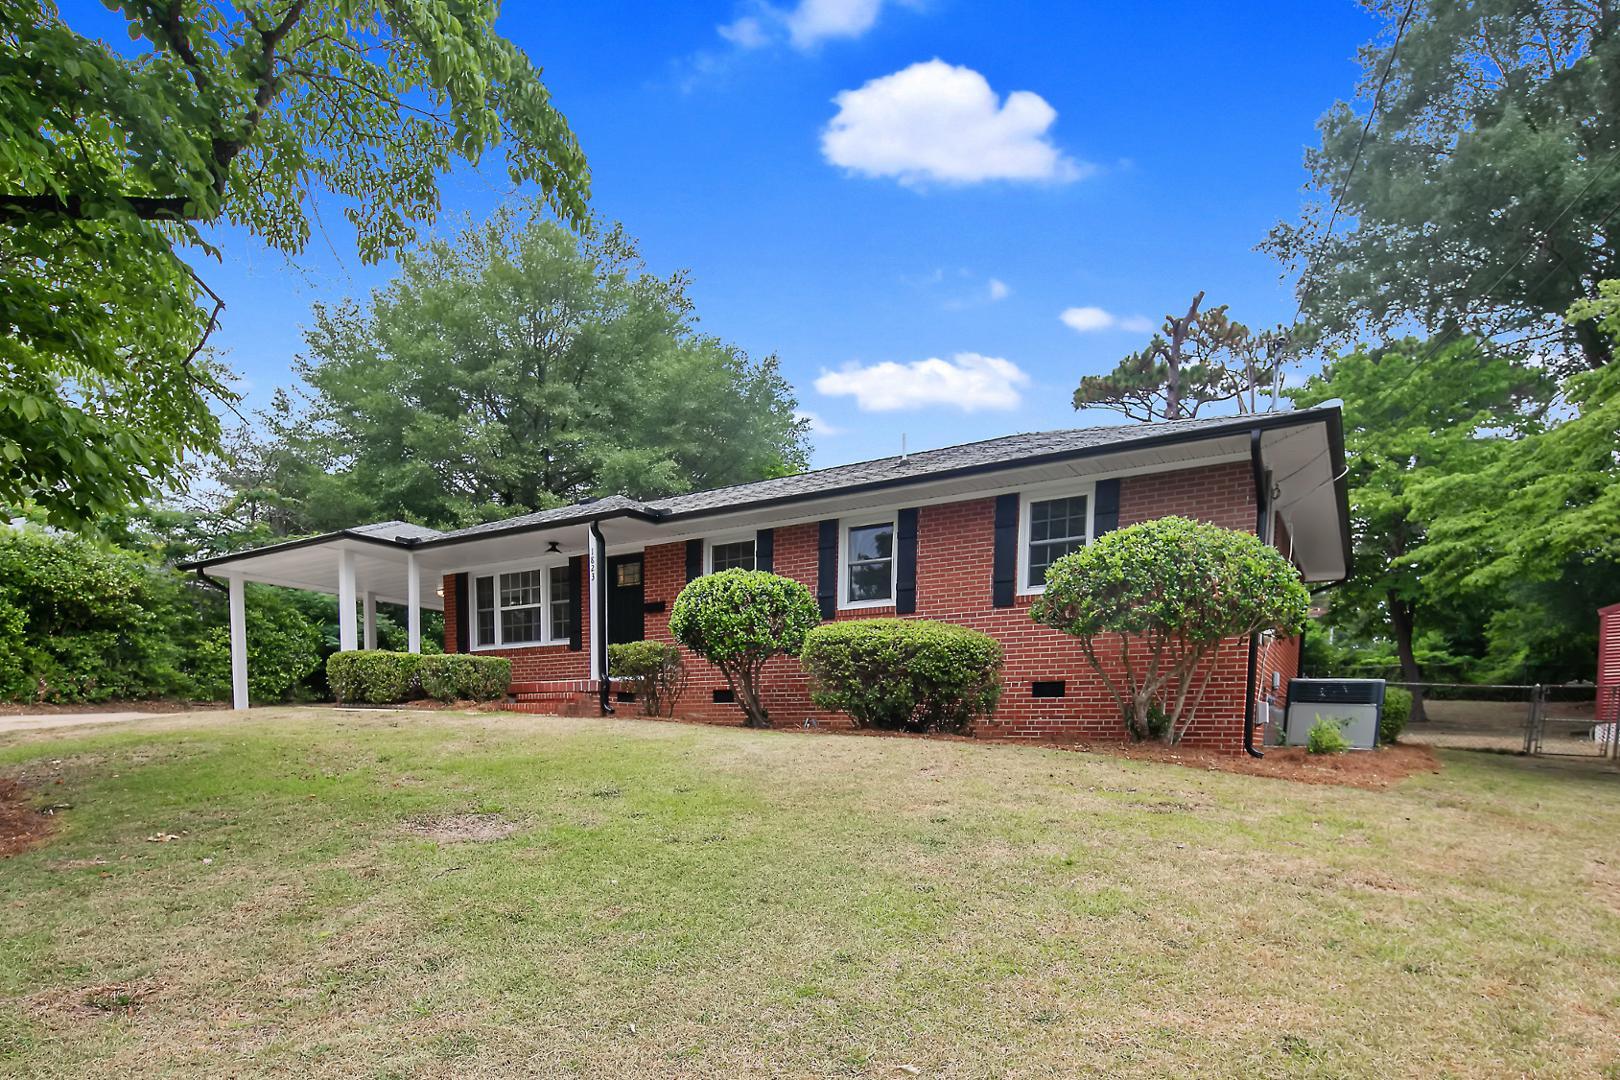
1354 704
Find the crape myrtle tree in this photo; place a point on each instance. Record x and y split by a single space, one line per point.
739 619
1199 359
1151 603
114 162
1483 194
512 368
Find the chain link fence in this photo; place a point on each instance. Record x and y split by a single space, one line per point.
1574 720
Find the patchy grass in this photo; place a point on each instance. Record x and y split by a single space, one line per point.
428 895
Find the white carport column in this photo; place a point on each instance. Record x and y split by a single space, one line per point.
346 630
596 561
369 605
413 604
239 680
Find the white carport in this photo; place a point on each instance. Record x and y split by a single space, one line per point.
361 566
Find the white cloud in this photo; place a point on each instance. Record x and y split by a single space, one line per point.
935 121
1084 320
814 21
999 290
818 424
967 381
746 32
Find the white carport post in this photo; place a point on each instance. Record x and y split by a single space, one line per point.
413 604
346 629
369 605
239 674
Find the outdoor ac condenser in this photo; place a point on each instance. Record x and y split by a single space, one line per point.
1355 704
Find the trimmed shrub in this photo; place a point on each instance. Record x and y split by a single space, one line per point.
1397 711
373 676
737 620
653 670
1326 737
487 677
1169 591
903 674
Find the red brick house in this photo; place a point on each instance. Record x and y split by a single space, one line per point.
962 534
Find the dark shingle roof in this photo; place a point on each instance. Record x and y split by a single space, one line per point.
390 530
1006 451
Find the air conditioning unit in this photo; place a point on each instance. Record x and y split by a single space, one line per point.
1354 704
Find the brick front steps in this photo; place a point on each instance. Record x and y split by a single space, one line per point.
557 697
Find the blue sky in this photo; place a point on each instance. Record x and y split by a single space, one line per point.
1116 157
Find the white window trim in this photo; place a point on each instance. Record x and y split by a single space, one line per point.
735 537
495 572
890 518
1027 498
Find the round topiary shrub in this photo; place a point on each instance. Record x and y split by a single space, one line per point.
1158 598
904 674
737 620
1397 711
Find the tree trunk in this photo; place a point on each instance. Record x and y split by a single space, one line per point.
1400 622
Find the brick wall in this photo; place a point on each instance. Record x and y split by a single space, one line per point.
955 545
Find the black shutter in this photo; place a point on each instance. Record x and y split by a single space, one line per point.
827 568
576 604
464 615
905 564
765 550
1004 563
1105 515
694 560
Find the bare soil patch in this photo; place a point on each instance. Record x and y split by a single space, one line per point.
21 825
463 828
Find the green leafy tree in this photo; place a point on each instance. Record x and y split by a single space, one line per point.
113 162
514 368
739 619
1162 596
1539 524
1482 195
1200 359
1415 411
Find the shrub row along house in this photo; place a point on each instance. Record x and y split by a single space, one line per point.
962 534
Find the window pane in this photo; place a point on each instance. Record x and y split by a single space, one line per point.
520 588
520 625
628 574
737 556
871 542
1058 519
562 608
484 602
1042 556
869 580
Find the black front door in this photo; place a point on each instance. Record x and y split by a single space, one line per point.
626 615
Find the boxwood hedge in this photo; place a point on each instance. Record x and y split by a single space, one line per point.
384 678
904 674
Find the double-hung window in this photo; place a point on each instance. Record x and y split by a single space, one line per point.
524 607
1052 529
735 555
869 564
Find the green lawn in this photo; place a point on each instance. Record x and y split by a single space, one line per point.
690 901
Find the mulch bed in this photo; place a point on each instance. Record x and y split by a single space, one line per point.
1355 768
31 708
21 825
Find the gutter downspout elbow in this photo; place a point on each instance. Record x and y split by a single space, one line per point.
1261 512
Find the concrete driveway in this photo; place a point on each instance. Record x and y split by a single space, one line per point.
39 721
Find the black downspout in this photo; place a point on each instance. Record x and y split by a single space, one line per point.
1261 512
599 639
